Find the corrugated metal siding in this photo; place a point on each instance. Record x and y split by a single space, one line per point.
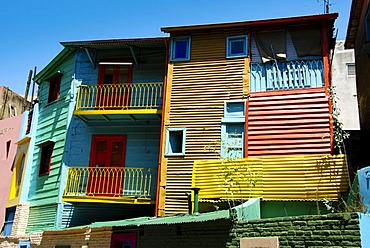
42 218
272 178
291 123
199 89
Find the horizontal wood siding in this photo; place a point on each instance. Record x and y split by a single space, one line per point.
142 146
199 89
292 123
52 126
42 217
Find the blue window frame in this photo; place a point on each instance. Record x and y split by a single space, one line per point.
9 220
232 129
175 141
237 46
180 48
24 244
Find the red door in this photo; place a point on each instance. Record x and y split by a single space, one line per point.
114 89
107 159
123 240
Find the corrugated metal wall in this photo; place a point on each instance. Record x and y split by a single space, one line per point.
199 89
42 217
294 122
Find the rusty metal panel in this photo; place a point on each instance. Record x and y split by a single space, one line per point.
289 123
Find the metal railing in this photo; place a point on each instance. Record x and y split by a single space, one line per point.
109 182
120 96
284 75
272 178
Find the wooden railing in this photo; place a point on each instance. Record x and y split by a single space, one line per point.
284 75
272 178
109 182
119 96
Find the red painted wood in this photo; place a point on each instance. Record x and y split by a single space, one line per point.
246 129
293 123
104 153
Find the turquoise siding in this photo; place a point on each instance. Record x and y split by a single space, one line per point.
52 121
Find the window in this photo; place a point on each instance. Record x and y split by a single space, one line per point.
351 69
9 220
237 46
54 88
45 161
234 109
8 148
180 49
24 244
175 141
232 130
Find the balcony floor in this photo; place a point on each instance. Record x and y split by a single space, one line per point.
102 199
104 116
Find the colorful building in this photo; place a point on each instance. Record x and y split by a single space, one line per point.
98 135
217 114
257 91
9 133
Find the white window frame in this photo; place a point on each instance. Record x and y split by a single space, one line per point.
229 41
347 69
168 150
173 48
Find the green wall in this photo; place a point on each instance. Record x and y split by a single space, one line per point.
332 230
44 194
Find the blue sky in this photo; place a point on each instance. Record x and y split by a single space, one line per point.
30 31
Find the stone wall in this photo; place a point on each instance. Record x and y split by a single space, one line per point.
332 230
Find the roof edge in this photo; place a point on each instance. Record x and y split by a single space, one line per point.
262 22
54 62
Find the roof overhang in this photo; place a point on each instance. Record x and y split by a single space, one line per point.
255 24
354 21
137 42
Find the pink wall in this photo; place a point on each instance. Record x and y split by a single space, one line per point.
9 131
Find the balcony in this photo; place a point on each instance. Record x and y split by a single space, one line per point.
272 178
111 102
110 185
286 75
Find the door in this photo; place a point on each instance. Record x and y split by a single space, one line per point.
107 159
114 86
123 240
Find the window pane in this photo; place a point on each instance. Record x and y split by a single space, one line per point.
181 49
237 47
176 141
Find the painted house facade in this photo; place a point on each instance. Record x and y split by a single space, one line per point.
113 139
254 94
98 133
9 132
17 203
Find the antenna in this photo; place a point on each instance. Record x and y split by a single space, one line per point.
326 6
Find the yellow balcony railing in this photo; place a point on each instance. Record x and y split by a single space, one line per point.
272 178
119 96
108 183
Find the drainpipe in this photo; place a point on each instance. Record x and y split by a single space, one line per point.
159 181
190 207
196 200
